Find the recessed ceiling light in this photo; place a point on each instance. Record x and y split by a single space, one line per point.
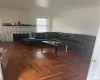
42 3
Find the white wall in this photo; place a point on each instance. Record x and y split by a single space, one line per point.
80 21
14 15
41 13
25 16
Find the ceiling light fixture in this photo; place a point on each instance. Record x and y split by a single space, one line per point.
42 3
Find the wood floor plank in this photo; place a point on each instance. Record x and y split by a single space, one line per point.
29 63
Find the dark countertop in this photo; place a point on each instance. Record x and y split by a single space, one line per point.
18 25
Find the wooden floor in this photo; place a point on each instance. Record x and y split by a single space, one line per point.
28 63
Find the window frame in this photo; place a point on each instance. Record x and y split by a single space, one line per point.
47 26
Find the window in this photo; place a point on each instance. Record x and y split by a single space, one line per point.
42 24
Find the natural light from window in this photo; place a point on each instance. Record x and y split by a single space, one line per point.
42 24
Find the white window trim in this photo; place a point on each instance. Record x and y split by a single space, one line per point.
49 23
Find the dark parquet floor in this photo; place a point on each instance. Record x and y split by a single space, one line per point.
29 63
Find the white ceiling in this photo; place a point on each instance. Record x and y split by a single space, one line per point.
48 4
